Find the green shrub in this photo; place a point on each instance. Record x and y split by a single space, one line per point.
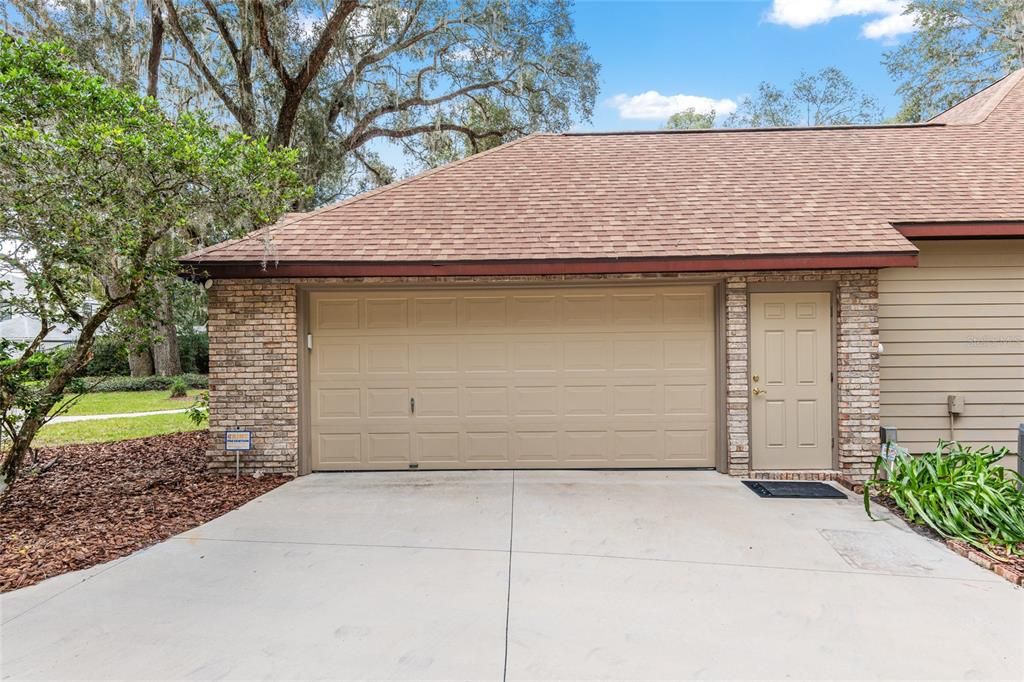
109 358
194 352
153 383
179 389
39 366
958 492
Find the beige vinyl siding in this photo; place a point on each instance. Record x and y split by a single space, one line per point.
955 324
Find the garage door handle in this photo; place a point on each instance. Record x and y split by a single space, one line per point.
412 405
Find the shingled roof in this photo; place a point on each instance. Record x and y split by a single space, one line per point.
668 200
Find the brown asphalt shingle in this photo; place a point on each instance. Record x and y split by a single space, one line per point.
679 194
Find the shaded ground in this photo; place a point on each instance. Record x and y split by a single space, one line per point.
103 501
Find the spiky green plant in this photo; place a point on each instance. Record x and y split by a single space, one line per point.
958 492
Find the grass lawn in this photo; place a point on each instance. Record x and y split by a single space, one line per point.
128 401
121 428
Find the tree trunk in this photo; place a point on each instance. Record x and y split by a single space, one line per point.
155 50
140 364
166 361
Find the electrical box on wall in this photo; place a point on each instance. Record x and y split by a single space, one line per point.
955 403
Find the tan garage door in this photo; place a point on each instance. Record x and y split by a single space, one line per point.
512 378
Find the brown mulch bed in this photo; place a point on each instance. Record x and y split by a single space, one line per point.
1009 566
102 501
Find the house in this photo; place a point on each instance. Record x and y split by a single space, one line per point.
24 328
757 301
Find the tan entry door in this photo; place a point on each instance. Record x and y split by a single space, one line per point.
502 378
790 367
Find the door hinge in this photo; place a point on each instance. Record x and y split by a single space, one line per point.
309 342
412 405
831 377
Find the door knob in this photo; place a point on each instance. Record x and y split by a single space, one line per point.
758 391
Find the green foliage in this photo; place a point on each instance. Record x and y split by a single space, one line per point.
826 98
194 349
101 193
958 492
342 80
151 383
691 119
959 47
109 358
199 411
179 389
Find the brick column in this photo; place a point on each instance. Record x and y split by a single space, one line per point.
737 401
857 376
254 376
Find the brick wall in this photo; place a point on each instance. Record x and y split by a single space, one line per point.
254 377
254 367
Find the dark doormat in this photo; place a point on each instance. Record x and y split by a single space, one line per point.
794 489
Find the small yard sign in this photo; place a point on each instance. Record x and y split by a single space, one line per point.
237 440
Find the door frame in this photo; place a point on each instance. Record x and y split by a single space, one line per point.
831 287
303 320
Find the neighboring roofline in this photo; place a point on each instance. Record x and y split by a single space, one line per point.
966 229
589 266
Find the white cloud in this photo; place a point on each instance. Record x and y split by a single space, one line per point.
654 105
889 27
889 22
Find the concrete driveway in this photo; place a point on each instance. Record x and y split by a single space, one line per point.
536 575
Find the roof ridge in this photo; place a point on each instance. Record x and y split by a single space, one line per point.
988 106
705 131
363 195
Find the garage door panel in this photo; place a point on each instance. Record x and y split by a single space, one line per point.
533 310
687 353
435 312
387 402
436 356
687 448
332 357
535 447
583 355
552 377
338 449
536 401
438 449
588 401
683 399
536 356
637 354
388 448
486 447
438 401
334 403
647 400
332 313
387 313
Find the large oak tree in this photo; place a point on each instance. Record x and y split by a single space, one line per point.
100 193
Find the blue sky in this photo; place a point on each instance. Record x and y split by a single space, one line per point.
722 49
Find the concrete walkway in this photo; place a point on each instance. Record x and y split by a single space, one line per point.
91 417
526 576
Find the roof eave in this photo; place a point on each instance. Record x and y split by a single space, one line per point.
201 270
962 229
